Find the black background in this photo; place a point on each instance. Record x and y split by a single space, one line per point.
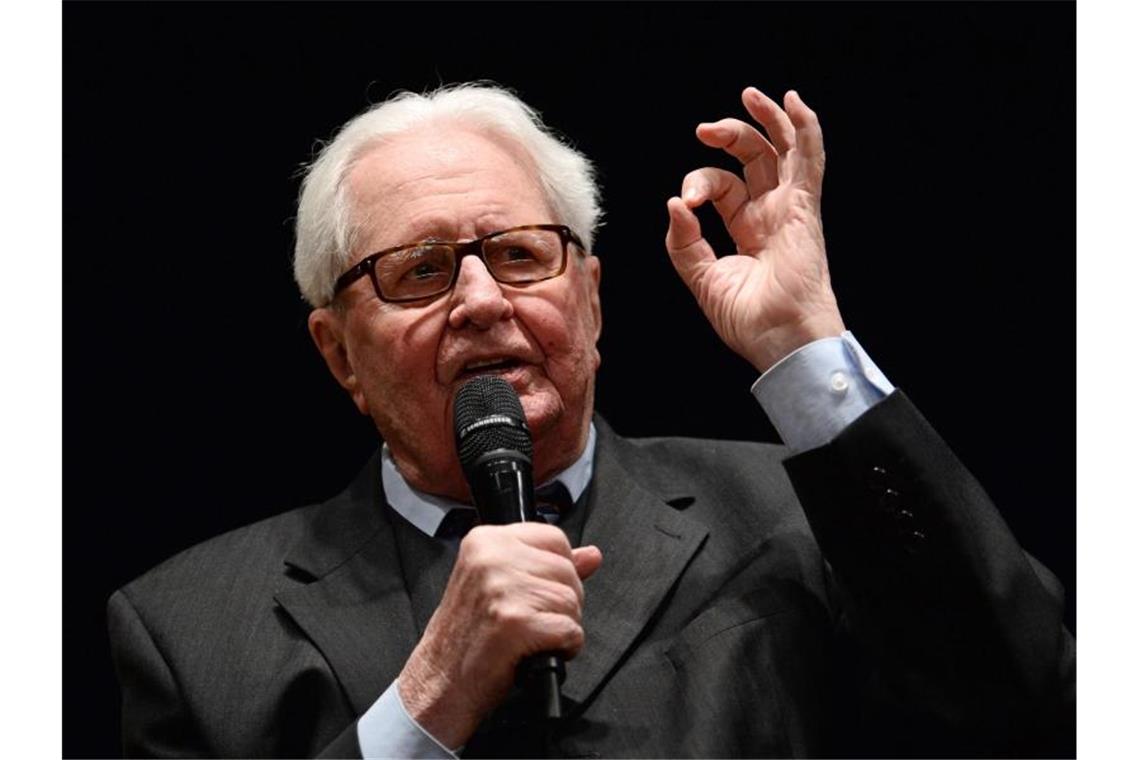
194 401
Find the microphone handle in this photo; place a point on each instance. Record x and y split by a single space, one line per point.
541 677
503 491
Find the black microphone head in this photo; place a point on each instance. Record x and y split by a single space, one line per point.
489 416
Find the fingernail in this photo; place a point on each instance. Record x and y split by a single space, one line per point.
691 194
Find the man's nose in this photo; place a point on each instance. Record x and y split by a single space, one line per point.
477 297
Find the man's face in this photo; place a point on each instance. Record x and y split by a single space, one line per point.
403 363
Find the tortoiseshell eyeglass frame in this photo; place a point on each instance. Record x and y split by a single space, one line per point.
367 265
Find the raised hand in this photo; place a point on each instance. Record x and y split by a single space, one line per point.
774 295
515 590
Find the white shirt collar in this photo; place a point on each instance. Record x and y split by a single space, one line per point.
426 511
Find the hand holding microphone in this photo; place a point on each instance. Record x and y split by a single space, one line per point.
515 591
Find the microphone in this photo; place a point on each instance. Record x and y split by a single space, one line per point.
495 451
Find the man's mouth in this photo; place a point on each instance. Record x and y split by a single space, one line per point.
491 366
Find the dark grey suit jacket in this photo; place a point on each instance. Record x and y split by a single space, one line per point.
715 626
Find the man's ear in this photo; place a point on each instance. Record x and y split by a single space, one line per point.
327 327
594 269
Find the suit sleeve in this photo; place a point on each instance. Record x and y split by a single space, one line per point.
959 633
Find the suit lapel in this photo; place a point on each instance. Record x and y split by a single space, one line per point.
356 609
427 564
646 545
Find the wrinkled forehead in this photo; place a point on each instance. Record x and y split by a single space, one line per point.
442 182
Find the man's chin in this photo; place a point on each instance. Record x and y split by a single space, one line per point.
543 411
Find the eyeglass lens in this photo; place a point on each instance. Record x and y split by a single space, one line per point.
515 256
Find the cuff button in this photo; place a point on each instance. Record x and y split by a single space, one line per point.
839 383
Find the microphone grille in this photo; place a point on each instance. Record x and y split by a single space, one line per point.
488 416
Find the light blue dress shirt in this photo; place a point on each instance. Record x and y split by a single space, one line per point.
810 396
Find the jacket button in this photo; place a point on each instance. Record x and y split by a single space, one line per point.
912 541
904 516
878 480
890 501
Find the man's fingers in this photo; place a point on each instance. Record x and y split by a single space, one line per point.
744 143
562 571
768 112
587 560
541 536
809 137
555 596
727 193
558 633
688 250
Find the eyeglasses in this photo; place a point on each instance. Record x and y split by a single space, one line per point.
518 256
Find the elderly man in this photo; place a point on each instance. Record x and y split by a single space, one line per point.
858 596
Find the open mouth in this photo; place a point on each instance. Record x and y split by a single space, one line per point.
496 366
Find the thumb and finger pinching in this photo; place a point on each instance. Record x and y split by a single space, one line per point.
686 246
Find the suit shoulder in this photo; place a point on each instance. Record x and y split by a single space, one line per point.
719 464
701 451
719 475
257 550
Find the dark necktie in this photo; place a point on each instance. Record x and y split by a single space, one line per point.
552 501
456 523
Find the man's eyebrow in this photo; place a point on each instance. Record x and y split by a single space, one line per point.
442 239
422 237
446 231
433 233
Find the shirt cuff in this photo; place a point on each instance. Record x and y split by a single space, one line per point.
813 393
386 730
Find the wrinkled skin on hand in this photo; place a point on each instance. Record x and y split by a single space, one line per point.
774 294
516 590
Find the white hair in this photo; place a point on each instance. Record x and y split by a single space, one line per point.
325 227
